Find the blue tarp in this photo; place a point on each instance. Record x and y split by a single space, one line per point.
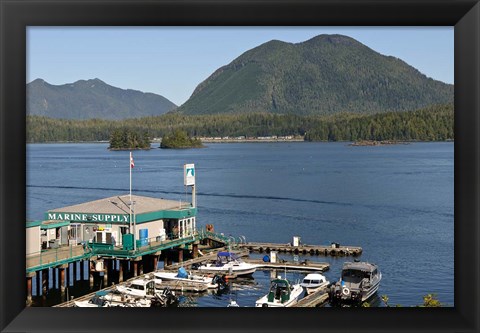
182 273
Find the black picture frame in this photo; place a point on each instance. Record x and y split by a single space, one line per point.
16 15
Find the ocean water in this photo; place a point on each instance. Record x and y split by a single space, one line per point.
394 201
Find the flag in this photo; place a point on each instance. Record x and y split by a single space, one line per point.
131 161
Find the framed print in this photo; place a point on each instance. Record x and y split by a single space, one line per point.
428 192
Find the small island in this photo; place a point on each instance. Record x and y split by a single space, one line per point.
126 139
180 140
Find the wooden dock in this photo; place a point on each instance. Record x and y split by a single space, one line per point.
307 266
315 299
303 249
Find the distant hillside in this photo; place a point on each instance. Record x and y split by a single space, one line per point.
92 99
434 123
325 75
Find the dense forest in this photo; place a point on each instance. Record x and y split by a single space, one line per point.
179 139
434 123
127 139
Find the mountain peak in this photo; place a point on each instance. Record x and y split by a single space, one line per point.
326 74
92 98
333 39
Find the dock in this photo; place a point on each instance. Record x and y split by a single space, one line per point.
306 266
325 250
172 285
318 298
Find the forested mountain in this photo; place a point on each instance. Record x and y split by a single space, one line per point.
86 99
429 124
325 75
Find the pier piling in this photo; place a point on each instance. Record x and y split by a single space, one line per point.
40 283
62 278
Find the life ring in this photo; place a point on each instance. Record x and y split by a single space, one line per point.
346 291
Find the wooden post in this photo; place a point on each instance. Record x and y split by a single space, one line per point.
135 268
120 271
155 263
141 265
29 288
195 250
180 255
105 272
62 278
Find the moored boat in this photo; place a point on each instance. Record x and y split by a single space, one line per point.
359 282
281 294
313 282
184 276
140 288
228 263
115 298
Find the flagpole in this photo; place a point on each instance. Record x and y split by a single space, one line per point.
130 205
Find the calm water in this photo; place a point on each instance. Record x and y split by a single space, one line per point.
394 201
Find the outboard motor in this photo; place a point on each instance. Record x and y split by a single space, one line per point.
220 281
171 300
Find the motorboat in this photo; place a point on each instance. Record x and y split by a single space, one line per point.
115 298
281 294
359 282
233 304
184 276
228 263
140 288
313 282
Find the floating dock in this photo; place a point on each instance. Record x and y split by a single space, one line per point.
207 257
307 266
332 250
318 298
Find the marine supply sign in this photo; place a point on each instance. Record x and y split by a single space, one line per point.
82 217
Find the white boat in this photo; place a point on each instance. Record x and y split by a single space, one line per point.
140 288
233 304
359 282
116 299
228 263
281 294
184 276
314 282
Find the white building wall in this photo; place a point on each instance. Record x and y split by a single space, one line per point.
33 240
155 229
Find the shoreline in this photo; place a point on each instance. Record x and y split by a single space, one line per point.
235 141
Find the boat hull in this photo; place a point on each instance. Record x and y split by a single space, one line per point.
195 279
226 270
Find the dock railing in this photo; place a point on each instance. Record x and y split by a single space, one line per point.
66 254
56 256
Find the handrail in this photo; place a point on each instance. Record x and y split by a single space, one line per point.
89 249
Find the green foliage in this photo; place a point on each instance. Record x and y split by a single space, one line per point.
429 301
127 139
433 123
326 75
430 124
180 139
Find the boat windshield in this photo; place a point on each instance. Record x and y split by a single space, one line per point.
307 281
225 257
354 276
138 287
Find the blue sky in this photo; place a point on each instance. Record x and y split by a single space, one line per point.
172 61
